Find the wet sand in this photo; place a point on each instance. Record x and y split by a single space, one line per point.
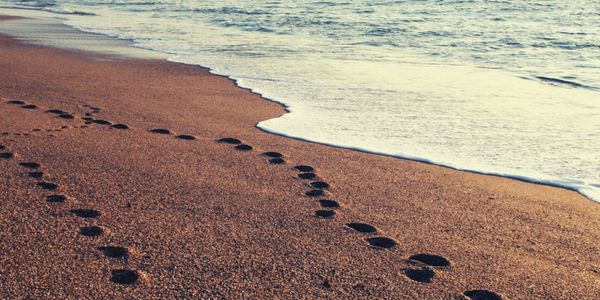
94 210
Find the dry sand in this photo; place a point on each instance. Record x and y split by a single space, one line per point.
202 219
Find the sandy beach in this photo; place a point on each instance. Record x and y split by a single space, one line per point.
127 178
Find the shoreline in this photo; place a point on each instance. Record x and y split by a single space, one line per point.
461 216
130 44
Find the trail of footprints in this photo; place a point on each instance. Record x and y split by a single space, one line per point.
425 265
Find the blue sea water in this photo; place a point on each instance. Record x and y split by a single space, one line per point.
505 87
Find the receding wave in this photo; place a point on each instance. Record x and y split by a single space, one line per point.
558 81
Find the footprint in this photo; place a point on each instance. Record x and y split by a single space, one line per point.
66 116
36 174
381 242
16 102
48 185
91 231
56 198
185 137
29 106
277 161
124 276
314 193
273 154
431 260
120 126
7 155
244 147
114 252
482 295
307 175
329 204
229 140
55 111
362 227
320 185
327 214
304 168
36 130
160 131
87 119
30 165
102 122
86 213
424 275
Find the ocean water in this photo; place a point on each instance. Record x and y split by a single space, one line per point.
506 87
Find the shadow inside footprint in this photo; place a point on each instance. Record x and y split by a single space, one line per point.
424 275
304 168
431 260
86 213
66 116
307 175
320 185
327 214
56 198
482 295
6 155
102 122
185 137
29 106
48 186
124 276
120 126
244 147
314 193
160 131
362 227
228 140
16 102
329 204
36 174
381 242
30 165
91 231
273 154
55 111
277 161
114 252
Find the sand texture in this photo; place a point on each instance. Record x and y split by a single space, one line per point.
96 201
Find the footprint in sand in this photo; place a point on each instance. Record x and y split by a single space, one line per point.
114 252
320 185
326 214
273 154
56 198
277 161
36 174
329 204
29 106
48 185
314 193
66 116
102 122
243 147
7 155
305 169
124 276
15 102
30 165
307 175
382 242
185 137
431 260
55 111
91 231
160 131
482 295
423 275
120 126
362 227
86 213
229 140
